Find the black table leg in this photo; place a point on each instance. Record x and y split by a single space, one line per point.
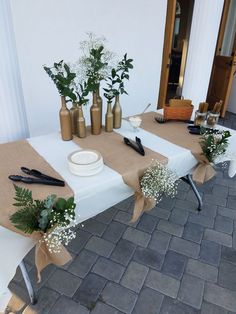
188 179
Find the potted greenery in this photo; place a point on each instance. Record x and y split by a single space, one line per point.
62 77
116 87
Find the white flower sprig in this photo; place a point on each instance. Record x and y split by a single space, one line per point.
157 181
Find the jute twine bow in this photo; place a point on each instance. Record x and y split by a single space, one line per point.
204 170
44 257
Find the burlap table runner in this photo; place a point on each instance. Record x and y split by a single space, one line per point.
13 156
177 133
125 161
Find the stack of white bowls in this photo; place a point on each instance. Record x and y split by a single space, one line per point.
85 162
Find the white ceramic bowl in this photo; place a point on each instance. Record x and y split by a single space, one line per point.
85 162
135 121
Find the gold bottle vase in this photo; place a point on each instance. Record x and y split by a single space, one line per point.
73 114
99 102
117 113
109 119
65 121
81 127
95 115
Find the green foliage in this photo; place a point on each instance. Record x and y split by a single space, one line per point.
214 143
115 81
83 93
41 215
62 77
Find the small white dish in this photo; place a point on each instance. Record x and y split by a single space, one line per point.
135 122
85 162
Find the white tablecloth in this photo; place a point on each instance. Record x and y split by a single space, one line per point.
92 194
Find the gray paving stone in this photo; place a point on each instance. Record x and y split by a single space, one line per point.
163 283
183 186
181 195
100 246
234 240
137 236
191 291
193 232
202 270
202 220
64 282
187 205
185 247
114 231
119 297
77 244
191 196
218 237
82 264
107 216
227 212
227 275
108 269
210 252
228 254
231 202
149 301
209 210
179 216
208 308
123 252
126 204
214 199
134 276
93 226
159 213
232 191
102 308
167 203
220 296
46 300
224 224
89 290
124 218
148 257
225 182
220 190
173 306
147 223
159 241
174 264
170 227
68 306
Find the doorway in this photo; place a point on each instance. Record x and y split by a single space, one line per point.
177 32
224 64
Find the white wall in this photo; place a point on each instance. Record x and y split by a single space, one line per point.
232 97
50 30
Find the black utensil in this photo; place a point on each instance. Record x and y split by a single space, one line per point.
29 180
195 131
38 174
196 127
133 146
139 143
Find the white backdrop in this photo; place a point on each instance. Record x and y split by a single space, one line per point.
48 31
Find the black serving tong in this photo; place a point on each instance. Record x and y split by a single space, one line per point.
41 178
137 146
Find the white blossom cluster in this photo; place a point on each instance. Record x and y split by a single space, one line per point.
157 181
60 233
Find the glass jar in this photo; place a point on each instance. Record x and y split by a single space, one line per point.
212 119
200 118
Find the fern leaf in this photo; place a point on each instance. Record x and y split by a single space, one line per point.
23 197
25 219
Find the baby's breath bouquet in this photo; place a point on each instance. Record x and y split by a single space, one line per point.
157 181
214 143
52 218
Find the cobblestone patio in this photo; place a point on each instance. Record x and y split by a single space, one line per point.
174 260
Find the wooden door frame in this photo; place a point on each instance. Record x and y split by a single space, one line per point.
166 57
220 38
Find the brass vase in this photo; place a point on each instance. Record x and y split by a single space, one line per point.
95 115
73 115
81 128
117 113
109 119
65 121
99 102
